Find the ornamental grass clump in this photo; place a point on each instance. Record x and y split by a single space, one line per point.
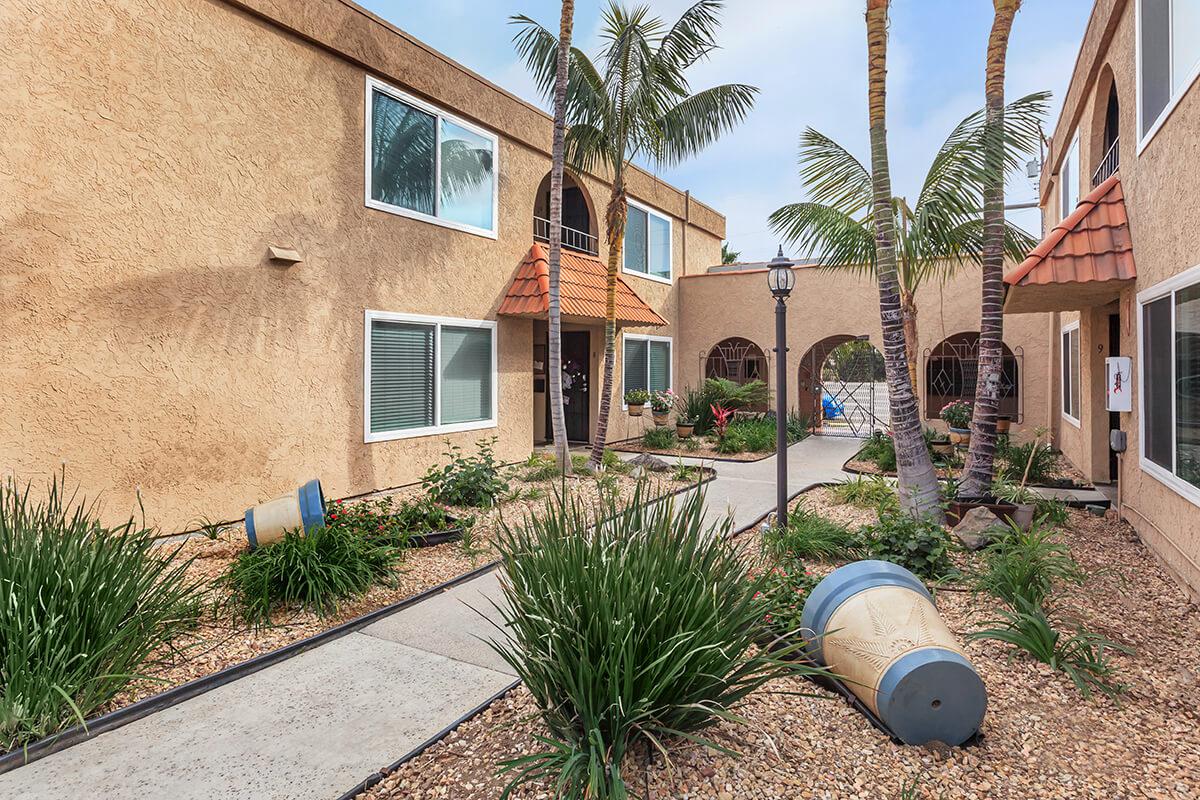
314 571
84 609
810 535
628 634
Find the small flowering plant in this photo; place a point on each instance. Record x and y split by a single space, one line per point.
637 397
957 414
662 402
385 519
783 588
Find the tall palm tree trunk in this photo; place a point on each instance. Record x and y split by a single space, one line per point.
908 313
979 468
558 420
614 223
918 482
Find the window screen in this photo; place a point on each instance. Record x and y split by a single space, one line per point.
1156 373
1187 384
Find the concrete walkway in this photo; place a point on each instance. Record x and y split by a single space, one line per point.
315 725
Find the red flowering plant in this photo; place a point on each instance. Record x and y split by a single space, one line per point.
783 587
384 518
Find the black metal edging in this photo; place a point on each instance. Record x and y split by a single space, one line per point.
193 688
376 777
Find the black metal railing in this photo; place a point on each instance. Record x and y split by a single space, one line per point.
572 239
1108 164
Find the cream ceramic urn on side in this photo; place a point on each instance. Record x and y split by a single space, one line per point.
874 624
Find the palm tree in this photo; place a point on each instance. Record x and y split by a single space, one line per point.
980 465
918 484
729 256
939 234
562 449
636 105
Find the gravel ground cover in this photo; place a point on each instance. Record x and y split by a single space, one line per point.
222 640
1041 738
1062 472
704 448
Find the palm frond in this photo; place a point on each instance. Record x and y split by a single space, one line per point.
827 234
692 37
699 120
832 175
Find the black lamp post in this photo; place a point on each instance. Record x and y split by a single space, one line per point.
781 279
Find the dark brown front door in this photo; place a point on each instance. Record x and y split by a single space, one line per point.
576 360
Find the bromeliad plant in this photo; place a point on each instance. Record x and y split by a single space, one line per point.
627 632
84 608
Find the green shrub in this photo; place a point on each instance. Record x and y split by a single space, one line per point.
83 609
749 435
696 405
1082 655
539 467
660 438
866 492
1012 458
738 396
1050 511
579 464
385 520
612 462
683 472
881 450
313 572
809 535
783 586
1023 567
637 397
919 545
473 481
626 632
797 426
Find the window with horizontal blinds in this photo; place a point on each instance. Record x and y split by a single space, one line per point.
466 363
659 366
402 376
636 364
426 375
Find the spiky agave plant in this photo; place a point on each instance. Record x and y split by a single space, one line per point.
628 632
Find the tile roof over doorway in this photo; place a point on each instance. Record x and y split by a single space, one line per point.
1091 246
582 290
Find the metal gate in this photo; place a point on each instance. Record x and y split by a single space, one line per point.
845 388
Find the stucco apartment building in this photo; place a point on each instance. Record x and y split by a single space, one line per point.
1119 270
243 244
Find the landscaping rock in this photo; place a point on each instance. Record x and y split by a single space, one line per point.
978 528
650 463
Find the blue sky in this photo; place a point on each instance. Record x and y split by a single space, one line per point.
809 59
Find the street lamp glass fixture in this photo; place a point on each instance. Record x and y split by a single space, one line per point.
780 277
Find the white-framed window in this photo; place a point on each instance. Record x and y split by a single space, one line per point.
1168 59
1169 382
648 243
429 165
646 363
426 375
1068 177
1070 372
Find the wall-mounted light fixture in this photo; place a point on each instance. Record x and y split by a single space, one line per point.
284 255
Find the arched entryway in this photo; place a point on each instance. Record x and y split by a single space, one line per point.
951 370
842 387
737 359
578 216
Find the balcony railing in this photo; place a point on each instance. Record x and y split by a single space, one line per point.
571 239
1108 164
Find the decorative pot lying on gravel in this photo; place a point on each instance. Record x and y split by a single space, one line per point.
1004 510
683 431
960 436
636 409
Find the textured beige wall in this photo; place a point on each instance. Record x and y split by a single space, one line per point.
151 153
1161 201
826 304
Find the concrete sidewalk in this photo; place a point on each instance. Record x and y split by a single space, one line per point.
315 725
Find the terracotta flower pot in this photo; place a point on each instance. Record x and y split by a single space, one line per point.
683 431
635 409
1003 424
960 436
661 418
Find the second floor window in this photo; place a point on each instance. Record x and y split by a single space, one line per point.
425 164
648 243
1069 176
1168 57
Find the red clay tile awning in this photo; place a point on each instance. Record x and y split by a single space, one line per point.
1085 261
582 290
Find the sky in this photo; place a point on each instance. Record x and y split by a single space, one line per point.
808 58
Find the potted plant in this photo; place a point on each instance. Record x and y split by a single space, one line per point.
635 400
939 443
661 404
684 425
957 415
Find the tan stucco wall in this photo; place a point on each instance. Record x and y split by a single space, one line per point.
825 303
152 152
1161 202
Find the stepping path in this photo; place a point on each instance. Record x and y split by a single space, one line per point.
313 726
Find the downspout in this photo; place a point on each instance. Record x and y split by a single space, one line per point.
687 221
